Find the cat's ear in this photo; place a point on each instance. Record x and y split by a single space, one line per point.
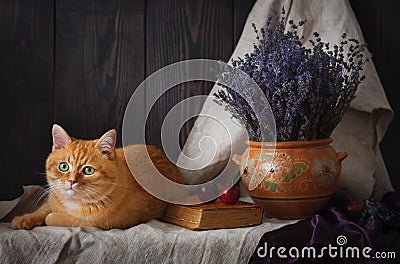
60 137
107 142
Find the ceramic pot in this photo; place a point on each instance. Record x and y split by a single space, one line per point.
297 179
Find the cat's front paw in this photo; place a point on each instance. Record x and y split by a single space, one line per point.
62 219
52 219
57 219
26 222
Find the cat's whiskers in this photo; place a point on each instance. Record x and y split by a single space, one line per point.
54 187
100 184
38 198
46 190
90 198
40 195
97 193
40 173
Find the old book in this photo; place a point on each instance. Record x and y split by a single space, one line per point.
214 215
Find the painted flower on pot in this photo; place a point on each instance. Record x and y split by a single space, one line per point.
274 169
324 170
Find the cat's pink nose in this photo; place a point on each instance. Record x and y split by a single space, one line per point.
71 182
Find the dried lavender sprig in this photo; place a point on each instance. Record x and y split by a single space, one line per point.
309 89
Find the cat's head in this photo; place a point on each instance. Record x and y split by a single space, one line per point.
81 169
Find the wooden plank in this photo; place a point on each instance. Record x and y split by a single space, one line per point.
377 20
242 9
179 30
26 37
389 71
99 62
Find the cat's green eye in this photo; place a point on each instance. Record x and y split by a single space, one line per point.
63 166
88 170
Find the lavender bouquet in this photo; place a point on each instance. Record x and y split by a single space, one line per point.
308 89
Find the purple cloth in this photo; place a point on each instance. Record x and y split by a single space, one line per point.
331 226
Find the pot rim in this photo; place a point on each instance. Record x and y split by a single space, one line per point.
291 144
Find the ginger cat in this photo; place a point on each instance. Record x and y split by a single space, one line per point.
91 185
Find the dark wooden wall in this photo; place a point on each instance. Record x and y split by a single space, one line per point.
379 21
77 63
27 85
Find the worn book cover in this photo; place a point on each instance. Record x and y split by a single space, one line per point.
214 215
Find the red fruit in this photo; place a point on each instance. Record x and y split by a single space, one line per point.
229 195
355 209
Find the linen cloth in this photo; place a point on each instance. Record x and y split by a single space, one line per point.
361 129
152 242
